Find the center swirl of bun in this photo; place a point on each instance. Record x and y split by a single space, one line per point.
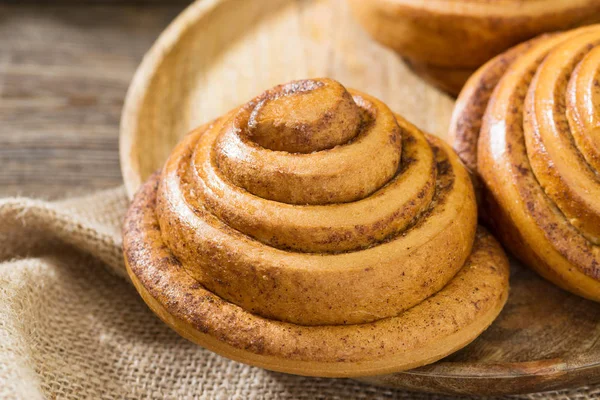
309 142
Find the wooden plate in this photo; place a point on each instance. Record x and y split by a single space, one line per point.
220 53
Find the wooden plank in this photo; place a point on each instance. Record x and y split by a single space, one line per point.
64 72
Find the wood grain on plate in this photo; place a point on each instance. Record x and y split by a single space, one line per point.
197 70
64 71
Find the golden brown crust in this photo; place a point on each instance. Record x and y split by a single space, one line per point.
542 196
463 34
325 270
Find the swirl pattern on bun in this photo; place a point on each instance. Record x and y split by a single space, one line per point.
527 124
316 208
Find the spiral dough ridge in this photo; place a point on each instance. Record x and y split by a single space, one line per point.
309 189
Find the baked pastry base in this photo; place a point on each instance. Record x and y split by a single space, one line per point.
438 326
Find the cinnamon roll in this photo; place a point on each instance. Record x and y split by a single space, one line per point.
444 41
313 231
527 124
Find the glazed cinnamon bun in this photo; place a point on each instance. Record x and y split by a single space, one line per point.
313 231
527 125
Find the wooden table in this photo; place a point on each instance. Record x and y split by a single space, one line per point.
64 72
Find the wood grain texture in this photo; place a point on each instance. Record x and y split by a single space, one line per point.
544 339
64 71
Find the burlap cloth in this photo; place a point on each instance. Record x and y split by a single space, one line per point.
71 325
